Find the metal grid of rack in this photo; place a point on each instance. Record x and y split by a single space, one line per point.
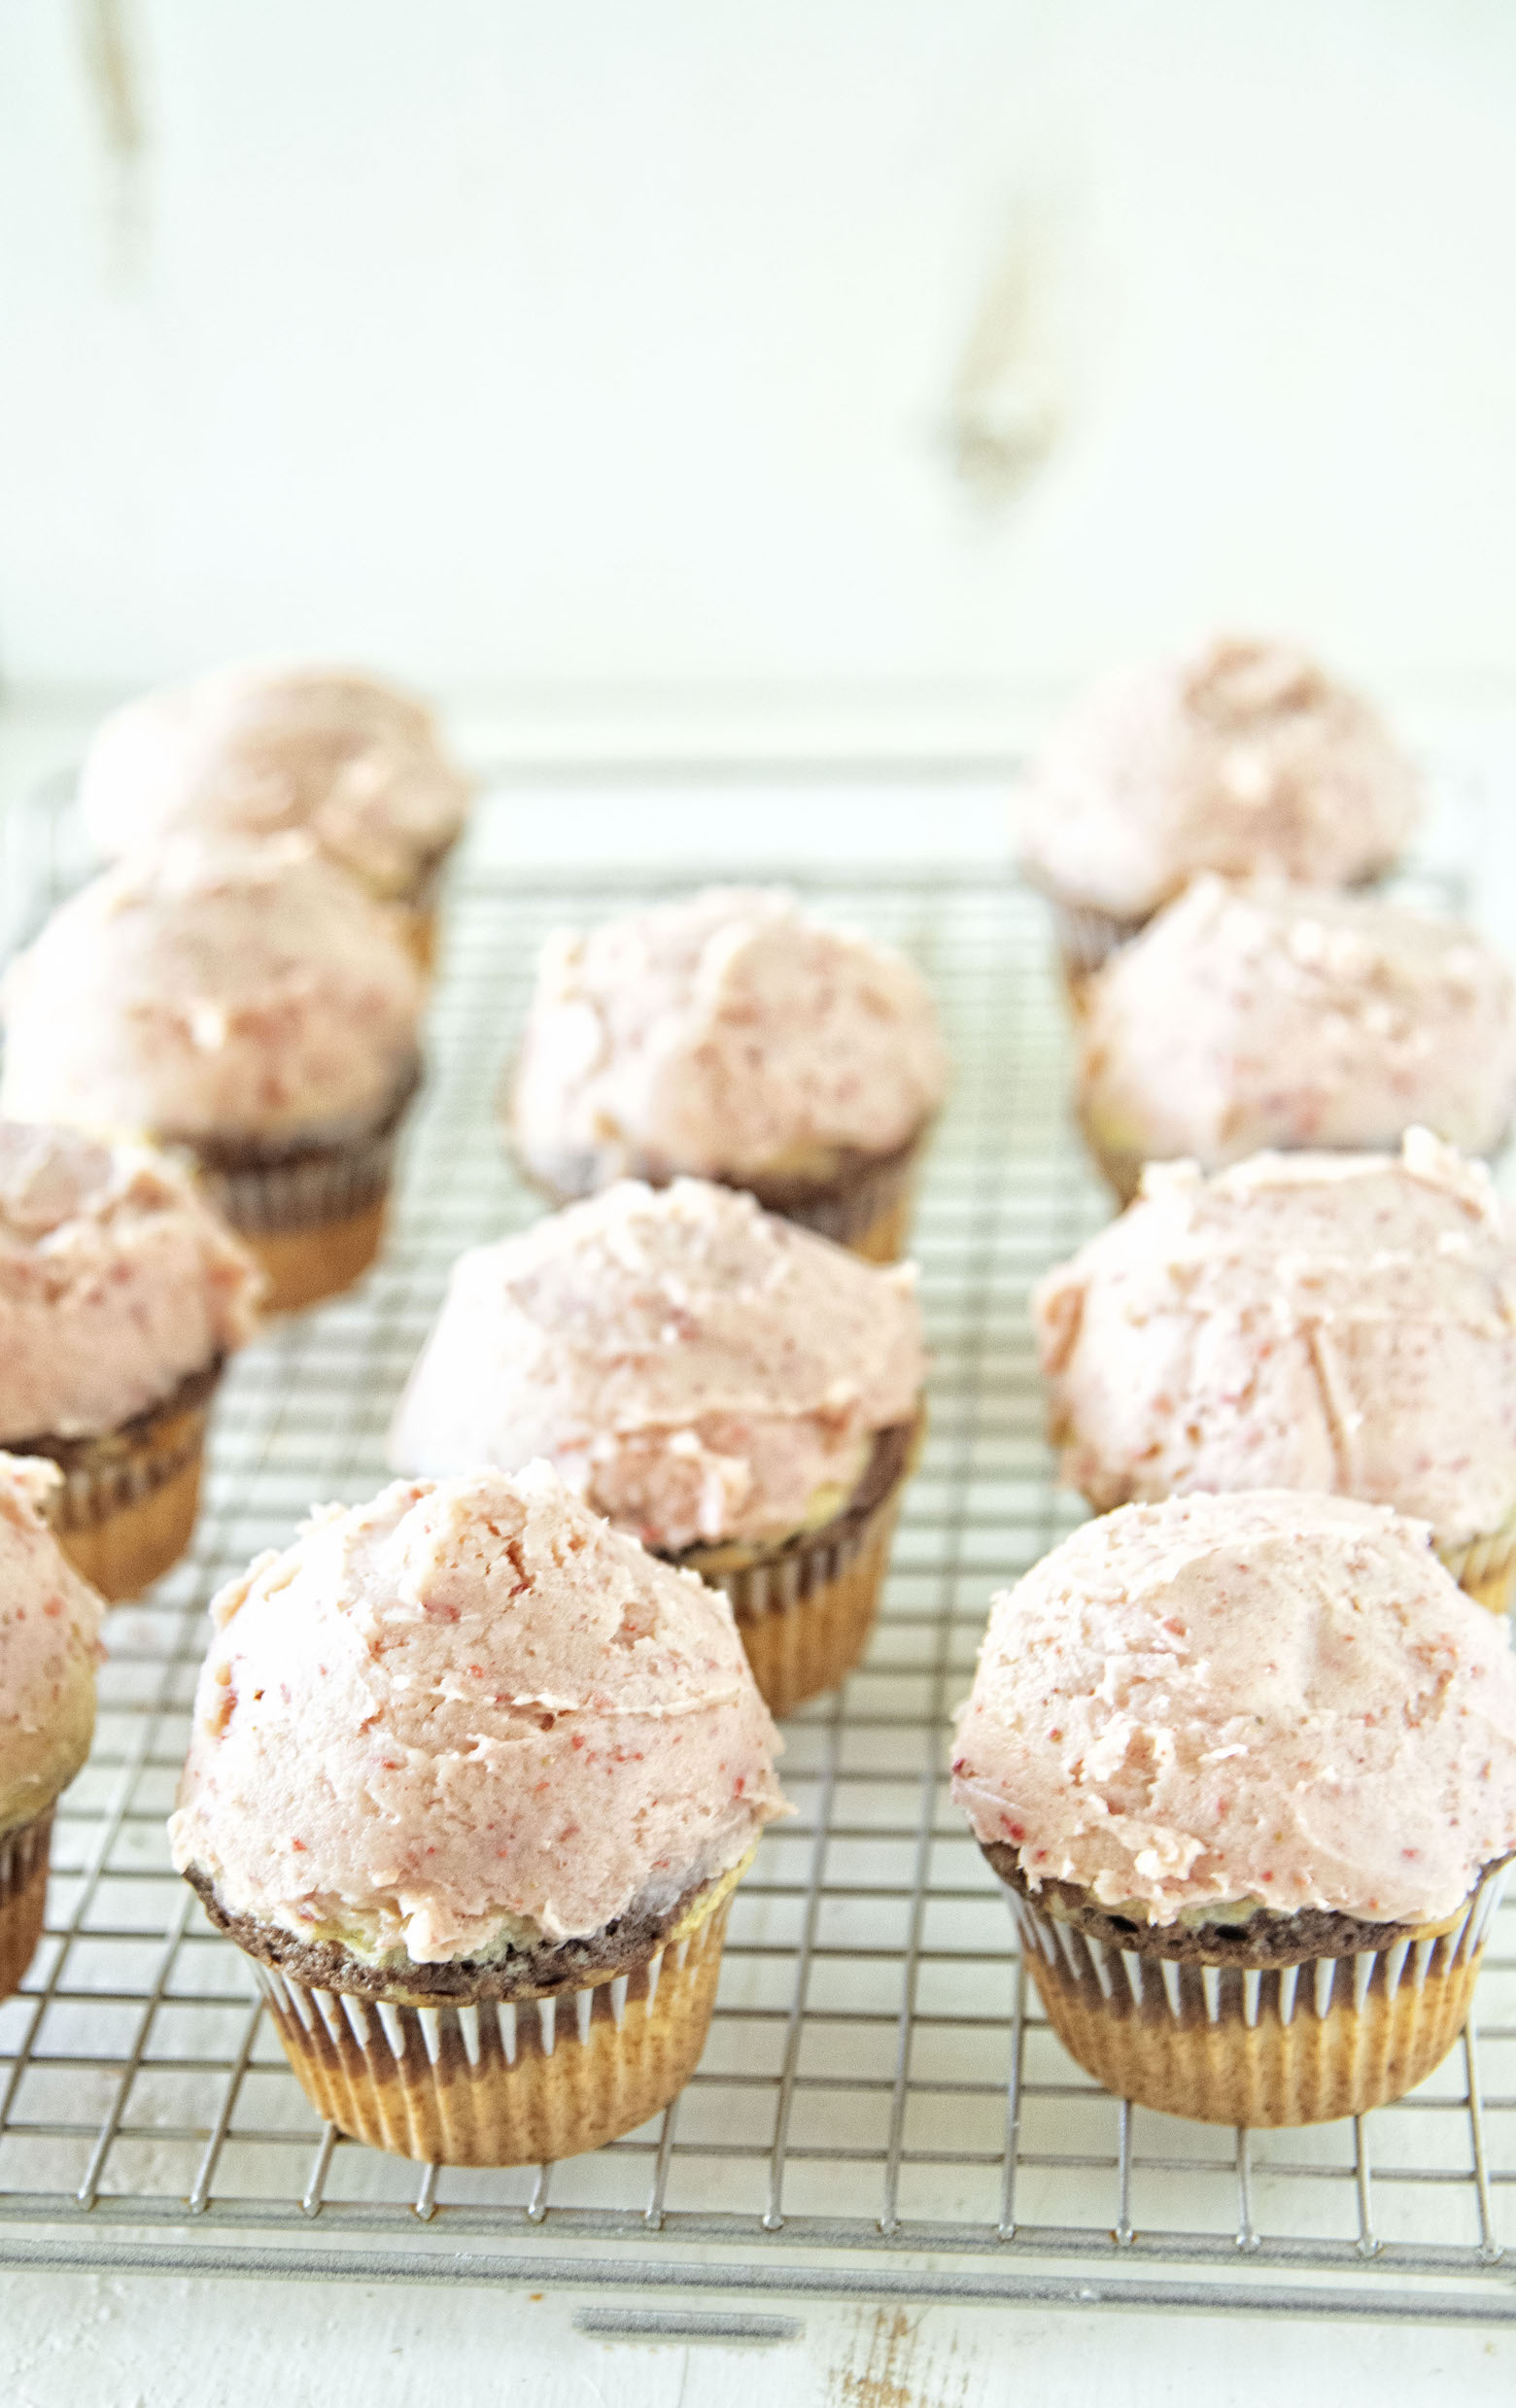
880 2110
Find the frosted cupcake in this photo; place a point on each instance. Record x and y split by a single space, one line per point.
472 1779
740 1394
49 1624
1242 757
257 749
1274 1015
729 1037
1247 1767
1310 1320
122 1294
246 1002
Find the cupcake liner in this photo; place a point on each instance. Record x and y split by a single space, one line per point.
312 1212
805 1608
1485 1568
867 1207
1086 939
507 2081
24 1896
126 1509
1264 2043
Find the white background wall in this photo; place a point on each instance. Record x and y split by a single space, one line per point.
555 349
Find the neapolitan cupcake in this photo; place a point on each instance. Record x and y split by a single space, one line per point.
50 1626
740 1394
730 1036
1247 1767
1304 1320
1242 757
244 1001
472 1779
257 749
1272 1016
122 1294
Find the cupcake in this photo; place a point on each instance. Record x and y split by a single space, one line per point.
122 1294
1243 757
50 1626
246 1002
257 749
1247 1767
729 1037
1302 1321
743 1396
472 1779
1272 1016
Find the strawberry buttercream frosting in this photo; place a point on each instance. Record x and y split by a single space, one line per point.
49 1628
1242 757
1304 1321
1270 1698
1275 1015
728 1036
256 748
213 988
117 1282
697 1368
466 1710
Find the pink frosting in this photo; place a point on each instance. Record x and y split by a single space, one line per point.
209 989
1270 1697
256 748
116 1282
1241 757
468 1702
724 1036
50 1627
1301 1321
695 1367
1276 1016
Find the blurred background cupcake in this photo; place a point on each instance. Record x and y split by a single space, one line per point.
1277 1016
1331 1322
741 1396
122 1294
471 1781
248 1001
730 1036
50 1624
1247 1767
1242 757
255 749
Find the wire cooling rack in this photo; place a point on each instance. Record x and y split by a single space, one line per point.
881 2111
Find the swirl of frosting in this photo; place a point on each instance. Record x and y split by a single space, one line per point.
1304 1320
49 1629
465 1709
1243 757
727 1036
1248 1016
697 1368
207 989
255 749
117 1282
1269 1698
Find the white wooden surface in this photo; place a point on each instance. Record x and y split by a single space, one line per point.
196 2343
